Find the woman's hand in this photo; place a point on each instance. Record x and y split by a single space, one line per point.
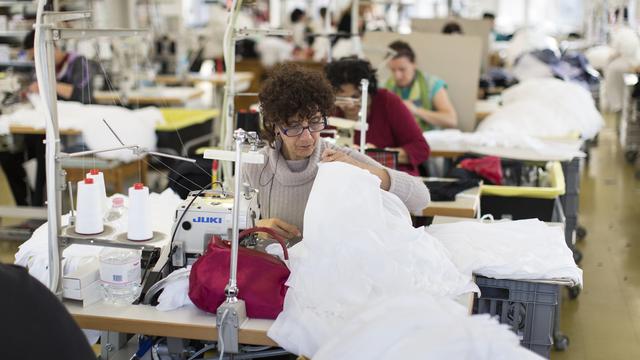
282 228
330 155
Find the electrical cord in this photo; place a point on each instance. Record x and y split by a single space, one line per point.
224 316
209 347
175 230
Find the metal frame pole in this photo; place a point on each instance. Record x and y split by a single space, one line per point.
364 101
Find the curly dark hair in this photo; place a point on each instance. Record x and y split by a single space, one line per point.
351 70
291 90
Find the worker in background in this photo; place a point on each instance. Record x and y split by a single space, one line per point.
424 95
35 325
452 28
343 45
495 35
74 73
391 125
299 28
295 103
74 76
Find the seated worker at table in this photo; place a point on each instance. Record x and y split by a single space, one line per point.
391 126
295 103
74 73
425 95
74 79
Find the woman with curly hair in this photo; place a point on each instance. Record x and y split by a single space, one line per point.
295 103
391 125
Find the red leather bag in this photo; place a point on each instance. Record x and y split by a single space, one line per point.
261 277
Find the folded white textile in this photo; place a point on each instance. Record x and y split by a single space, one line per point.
485 142
424 327
33 254
134 127
545 108
516 250
359 245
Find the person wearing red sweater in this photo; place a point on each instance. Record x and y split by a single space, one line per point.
391 125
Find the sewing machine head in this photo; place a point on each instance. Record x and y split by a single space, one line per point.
210 214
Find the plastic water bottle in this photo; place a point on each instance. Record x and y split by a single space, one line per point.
120 275
115 212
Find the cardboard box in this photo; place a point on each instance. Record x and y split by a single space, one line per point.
84 276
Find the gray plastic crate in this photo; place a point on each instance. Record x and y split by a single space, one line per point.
570 204
528 308
570 226
571 171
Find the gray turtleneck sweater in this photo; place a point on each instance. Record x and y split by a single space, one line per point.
284 185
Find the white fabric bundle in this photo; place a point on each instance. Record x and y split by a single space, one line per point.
529 67
426 327
134 127
33 254
176 291
529 39
599 56
545 108
516 250
484 142
625 42
359 245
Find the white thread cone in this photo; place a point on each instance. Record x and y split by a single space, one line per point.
98 178
89 208
139 227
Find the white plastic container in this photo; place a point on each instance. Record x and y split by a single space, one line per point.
120 275
116 211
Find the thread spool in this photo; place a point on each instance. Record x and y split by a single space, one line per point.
98 178
89 208
139 227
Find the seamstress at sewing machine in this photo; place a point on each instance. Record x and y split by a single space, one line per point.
425 95
74 73
295 103
391 125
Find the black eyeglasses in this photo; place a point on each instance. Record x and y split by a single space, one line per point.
315 124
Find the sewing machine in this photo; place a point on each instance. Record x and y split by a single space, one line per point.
201 216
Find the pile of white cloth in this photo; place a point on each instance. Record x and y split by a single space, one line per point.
545 108
529 39
34 253
625 56
134 127
516 250
359 246
426 327
484 142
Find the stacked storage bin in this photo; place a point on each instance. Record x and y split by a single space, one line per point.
570 202
529 308
524 202
516 203
629 125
